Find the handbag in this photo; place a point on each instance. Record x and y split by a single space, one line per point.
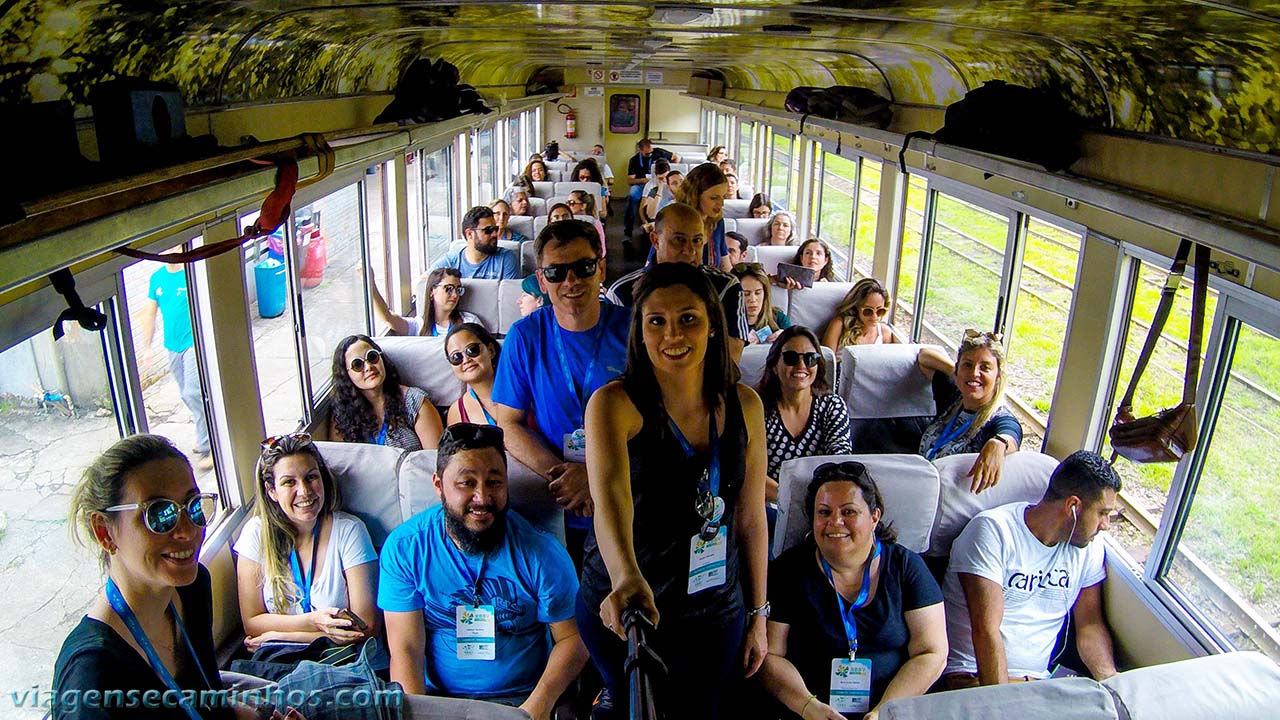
1171 433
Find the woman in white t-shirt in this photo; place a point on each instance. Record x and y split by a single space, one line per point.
304 565
444 290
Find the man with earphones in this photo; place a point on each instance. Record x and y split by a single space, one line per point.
1018 569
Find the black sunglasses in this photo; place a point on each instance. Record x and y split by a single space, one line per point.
793 358
373 357
161 515
558 273
847 469
472 350
488 230
468 436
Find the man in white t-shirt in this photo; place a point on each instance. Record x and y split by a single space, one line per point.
1017 570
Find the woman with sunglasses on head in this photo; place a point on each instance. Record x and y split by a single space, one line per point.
473 354
151 629
302 561
370 405
976 420
802 417
763 319
444 290
858 318
676 465
853 611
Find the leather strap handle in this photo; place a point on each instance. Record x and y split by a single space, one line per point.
1157 324
1199 299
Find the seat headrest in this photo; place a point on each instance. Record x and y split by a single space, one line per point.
1238 685
544 189
1073 698
481 299
755 230
769 256
422 364
754 356
522 224
367 476
1023 478
908 484
814 307
883 381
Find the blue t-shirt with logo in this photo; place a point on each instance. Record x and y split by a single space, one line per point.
531 374
528 579
503 265
169 291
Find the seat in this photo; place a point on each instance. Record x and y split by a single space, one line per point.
745 191
755 230
1023 478
427 707
509 292
731 225
540 222
527 492
528 254
682 167
537 206
481 299
560 165
737 208
564 188
770 255
553 201
890 401
814 307
421 363
367 476
522 224
1237 685
908 484
544 189
754 356
1073 698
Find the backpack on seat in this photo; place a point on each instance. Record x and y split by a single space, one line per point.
1028 124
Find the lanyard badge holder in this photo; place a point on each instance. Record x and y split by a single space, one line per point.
948 434
574 448
708 548
851 677
475 624
304 583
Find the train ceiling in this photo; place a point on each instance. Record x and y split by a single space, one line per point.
1194 70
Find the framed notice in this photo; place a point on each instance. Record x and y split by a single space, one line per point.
624 114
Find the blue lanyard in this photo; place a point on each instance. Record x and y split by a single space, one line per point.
848 609
474 582
947 434
122 609
578 394
304 583
381 437
488 418
713 445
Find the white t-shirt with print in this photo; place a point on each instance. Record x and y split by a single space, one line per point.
349 546
415 324
1040 584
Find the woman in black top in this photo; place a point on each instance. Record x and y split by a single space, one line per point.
676 462
850 565
139 503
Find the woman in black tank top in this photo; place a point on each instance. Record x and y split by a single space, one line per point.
676 461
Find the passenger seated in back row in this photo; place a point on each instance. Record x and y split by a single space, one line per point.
1017 570
370 405
482 257
478 602
858 318
444 291
975 420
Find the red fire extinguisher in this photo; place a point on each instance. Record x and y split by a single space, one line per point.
571 125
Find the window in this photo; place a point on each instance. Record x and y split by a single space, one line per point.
417 217
743 156
780 170
275 349
909 260
378 183
514 154
484 159
868 217
437 172
56 416
966 264
722 130
835 212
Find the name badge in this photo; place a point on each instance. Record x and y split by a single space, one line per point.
475 630
850 685
575 446
707 561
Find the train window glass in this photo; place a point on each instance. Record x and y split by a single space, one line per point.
966 263
1146 487
533 135
780 170
376 186
161 316
1045 289
417 216
1227 560
331 273
743 155
437 171
705 127
270 294
56 416
909 259
513 147
722 130
835 212
868 217
484 166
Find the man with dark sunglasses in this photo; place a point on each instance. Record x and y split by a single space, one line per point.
678 236
478 603
482 258
553 360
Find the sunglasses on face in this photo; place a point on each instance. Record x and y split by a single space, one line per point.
458 290
373 357
558 273
161 515
878 312
471 351
571 203
491 230
793 358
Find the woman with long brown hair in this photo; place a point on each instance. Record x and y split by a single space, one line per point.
705 189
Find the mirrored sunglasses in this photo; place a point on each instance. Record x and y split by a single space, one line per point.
373 357
161 515
457 290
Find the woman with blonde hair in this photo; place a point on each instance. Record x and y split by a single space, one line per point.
858 317
705 189
763 319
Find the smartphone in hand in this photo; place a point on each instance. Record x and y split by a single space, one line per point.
356 622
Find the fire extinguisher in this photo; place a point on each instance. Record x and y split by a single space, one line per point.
570 121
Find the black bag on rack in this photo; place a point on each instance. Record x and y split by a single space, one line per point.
844 103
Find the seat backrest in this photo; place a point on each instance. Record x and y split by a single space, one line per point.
745 191
367 476
1238 685
421 363
537 206
481 299
558 164
883 381
1023 478
539 222
754 356
755 230
527 492
730 225
736 208
681 167
509 292
522 224
528 255
556 199
814 307
908 484
544 188
566 187
770 255
1073 698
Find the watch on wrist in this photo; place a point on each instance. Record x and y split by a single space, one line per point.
762 611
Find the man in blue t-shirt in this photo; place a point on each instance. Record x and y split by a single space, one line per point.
167 293
554 359
470 590
482 258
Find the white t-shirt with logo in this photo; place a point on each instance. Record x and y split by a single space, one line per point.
1040 584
